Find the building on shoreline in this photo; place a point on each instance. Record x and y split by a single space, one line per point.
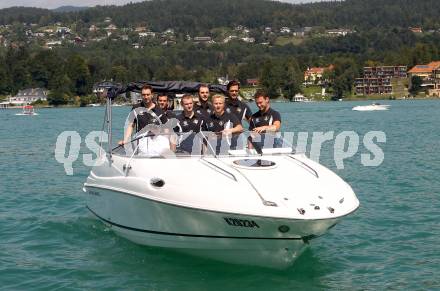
28 96
378 80
386 72
430 75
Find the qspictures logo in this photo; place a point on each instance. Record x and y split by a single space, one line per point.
345 145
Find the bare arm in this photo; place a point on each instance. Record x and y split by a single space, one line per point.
127 135
237 129
269 128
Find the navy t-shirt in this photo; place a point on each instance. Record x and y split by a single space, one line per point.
218 123
195 123
169 114
240 109
260 118
204 108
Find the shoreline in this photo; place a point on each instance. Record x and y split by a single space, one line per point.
276 100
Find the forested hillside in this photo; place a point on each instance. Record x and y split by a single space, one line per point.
379 35
196 15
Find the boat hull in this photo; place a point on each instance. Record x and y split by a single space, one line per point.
233 238
371 108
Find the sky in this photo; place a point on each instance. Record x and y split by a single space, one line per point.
50 4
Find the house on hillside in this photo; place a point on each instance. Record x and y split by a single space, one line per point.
93 28
300 32
303 31
430 75
111 27
229 38
314 75
415 29
168 32
78 40
285 30
140 29
338 32
203 39
52 44
147 34
248 39
63 30
27 96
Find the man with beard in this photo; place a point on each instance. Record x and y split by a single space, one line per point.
163 102
266 122
148 115
233 105
203 106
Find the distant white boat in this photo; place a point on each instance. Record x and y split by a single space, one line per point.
372 107
93 105
28 110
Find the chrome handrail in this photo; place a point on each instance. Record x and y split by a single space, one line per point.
313 171
223 171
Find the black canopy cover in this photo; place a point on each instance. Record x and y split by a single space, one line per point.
176 87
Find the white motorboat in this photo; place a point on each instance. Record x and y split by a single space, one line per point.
28 110
247 205
95 105
372 107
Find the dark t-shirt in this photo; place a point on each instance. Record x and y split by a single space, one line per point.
196 123
218 123
240 109
204 108
264 118
144 117
169 114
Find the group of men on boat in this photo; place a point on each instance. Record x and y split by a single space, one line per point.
222 116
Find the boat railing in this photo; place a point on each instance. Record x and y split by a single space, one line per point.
167 144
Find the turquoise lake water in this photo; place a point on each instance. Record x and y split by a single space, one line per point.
48 239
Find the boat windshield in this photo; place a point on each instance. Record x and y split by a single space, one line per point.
166 144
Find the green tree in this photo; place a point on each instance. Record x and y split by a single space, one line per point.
416 85
345 73
79 75
119 74
281 77
60 94
4 82
272 78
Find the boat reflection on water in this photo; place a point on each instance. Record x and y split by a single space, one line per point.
244 199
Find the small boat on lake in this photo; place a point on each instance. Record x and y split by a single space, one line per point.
94 105
28 110
372 107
